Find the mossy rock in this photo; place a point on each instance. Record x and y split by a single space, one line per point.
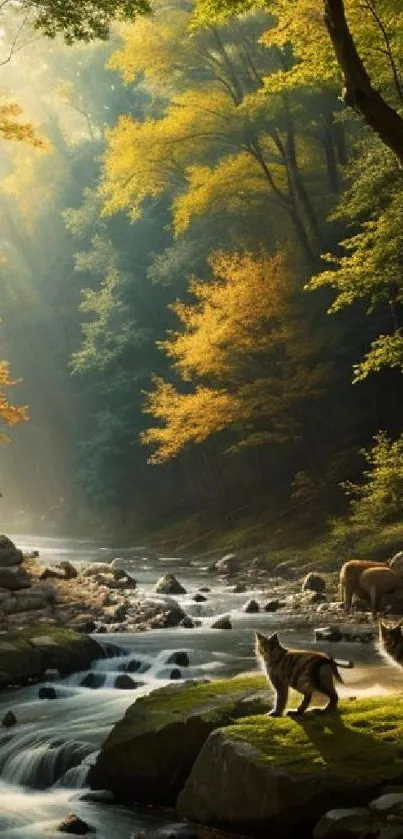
27 654
267 773
150 752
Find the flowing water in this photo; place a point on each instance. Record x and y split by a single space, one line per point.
44 760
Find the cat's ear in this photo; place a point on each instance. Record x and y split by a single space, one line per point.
274 638
260 637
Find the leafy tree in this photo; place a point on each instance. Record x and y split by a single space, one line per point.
379 498
355 37
245 357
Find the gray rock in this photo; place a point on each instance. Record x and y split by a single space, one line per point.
179 657
14 578
175 674
168 584
97 796
314 582
125 682
336 824
229 564
10 555
199 598
239 588
47 693
96 568
74 825
93 680
187 622
251 607
232 784
389 804
222 623
149 753
9 720
155 613
272 606
328 633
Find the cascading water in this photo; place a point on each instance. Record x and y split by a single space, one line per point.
44 759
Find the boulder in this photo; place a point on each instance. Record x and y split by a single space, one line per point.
397 563
328 633
155 613
26 601
248 774
14 578
314 582
93 680
9 719
149 753
229 564
10 555
175 674
96 568
46 692
335 824
187 622
222 623
168 584
30 652
199 598
285 569
204 589
389 804
125 682
251 607
75 826
180 658
272 606
239 588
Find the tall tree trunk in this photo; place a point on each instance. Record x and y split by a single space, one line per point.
359 92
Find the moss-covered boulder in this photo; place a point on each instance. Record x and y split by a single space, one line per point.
27 654
267 773
150 752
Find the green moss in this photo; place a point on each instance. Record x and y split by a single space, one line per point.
365 740
208 700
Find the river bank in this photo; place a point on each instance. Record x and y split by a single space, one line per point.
45 757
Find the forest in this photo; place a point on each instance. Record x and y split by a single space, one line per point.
201 268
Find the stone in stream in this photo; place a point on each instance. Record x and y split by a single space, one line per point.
14 578
175 673
168 584
179 657
75 826
251 607
9 720
328 633
187 622
229 564
355 822
149 753
205 589
125 682
222 623
199 598
47 693
272 606
93 680
97 796
239 588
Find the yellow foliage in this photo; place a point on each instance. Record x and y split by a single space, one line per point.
237 180
145 158
302 24
156 51
9 414
246 354
12 129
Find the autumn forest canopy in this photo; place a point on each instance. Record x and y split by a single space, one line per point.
201 219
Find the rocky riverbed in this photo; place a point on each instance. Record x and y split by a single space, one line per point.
105 597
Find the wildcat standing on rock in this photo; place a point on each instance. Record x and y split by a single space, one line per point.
306 671
391 643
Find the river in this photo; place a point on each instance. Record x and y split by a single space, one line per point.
44 759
